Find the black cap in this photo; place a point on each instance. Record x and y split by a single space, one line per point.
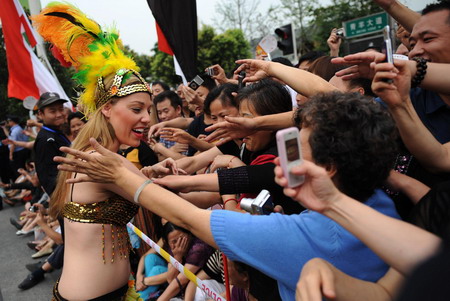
48 98
12 118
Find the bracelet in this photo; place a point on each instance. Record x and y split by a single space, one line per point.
224 203
229 162
179 284
421 66
139 190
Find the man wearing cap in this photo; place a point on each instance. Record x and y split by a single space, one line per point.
17 155
50 139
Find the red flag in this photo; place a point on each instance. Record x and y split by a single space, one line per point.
27 75
163 45
21 81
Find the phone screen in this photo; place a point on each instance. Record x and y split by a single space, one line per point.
292 150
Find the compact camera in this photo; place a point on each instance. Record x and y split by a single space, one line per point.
340 32
241 77
34 208
211 71
261 205
196 82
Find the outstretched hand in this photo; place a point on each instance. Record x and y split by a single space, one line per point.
163 168
103 166
361 65
232 128
316 280
317 191
255 69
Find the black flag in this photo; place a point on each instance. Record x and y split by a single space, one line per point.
178 22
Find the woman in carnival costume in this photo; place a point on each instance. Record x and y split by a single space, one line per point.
116 100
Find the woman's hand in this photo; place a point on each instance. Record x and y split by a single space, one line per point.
181 247
103 166
191 96
140 286
225 161
232 128
316 280
219 76
175 183
334 42
177 135
163 168
317 193
255 70
40 220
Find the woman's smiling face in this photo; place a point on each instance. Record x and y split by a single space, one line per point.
129 116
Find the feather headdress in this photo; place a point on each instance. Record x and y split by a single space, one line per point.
94 53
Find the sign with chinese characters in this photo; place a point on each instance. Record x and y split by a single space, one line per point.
365 25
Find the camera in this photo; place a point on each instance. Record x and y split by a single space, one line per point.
34 209
211 71
340 32
2 123
241 77
196 82
261 205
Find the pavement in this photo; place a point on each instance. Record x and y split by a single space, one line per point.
14 255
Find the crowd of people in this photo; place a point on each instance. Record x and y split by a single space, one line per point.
371 220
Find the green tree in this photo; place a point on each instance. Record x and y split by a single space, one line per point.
223 49
332 16
142 60
299 12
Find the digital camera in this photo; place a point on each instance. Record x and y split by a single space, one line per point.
34 209
261 205
196 82
340 32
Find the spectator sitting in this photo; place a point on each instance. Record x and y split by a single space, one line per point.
185 248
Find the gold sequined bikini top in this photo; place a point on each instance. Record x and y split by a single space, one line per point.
115 211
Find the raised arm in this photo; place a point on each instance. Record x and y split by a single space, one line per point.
240 127
303 82
403 15
435 78
417 138
399 244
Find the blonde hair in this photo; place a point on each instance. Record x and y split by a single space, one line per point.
97 127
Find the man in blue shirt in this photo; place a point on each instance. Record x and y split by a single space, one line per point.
17 155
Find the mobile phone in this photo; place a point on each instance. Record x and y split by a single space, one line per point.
387 45
196 82
387 48
288 143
